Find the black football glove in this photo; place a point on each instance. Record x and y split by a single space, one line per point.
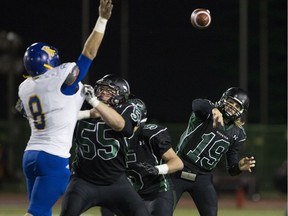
20 108
152 170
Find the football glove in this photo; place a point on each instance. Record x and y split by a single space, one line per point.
20 108
90 97
152 170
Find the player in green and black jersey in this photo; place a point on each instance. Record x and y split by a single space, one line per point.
99 168
213 130
150 157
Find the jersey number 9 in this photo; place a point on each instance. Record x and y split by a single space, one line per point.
37 112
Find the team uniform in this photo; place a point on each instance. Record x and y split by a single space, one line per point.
46 105
51 100
201 147
46 98
149 143
99 169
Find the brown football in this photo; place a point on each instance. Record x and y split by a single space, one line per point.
201 18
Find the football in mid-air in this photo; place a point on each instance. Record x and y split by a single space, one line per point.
201 18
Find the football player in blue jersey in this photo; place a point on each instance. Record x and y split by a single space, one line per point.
51 99
213 130
150 160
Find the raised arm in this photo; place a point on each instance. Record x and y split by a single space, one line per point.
90 49
93 42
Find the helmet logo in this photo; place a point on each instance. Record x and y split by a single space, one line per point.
136 115
49 51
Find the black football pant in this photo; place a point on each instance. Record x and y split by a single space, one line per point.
120 197
201 190
161 205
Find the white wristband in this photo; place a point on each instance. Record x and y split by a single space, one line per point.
163 169
83 114
100 25
94 102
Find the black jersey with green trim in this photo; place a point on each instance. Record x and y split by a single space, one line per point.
101 151
148 144
201 146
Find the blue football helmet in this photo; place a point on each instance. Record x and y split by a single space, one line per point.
39 58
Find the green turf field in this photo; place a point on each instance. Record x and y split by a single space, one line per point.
16 211
270 205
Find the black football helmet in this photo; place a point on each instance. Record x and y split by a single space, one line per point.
238 95
141 106
119 85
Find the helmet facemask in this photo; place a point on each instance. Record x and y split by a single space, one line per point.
117 88
230 111
233 103
102 91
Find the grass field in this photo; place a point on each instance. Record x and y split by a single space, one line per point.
16 211
16 204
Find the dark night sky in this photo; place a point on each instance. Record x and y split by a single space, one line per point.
170 62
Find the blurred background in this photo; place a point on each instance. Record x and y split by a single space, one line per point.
168 63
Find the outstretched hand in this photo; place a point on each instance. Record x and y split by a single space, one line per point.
245 164
105 9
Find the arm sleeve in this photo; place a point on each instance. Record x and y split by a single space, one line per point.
232 155
202 107
164 142
84 64
159 139
126 112
234 170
